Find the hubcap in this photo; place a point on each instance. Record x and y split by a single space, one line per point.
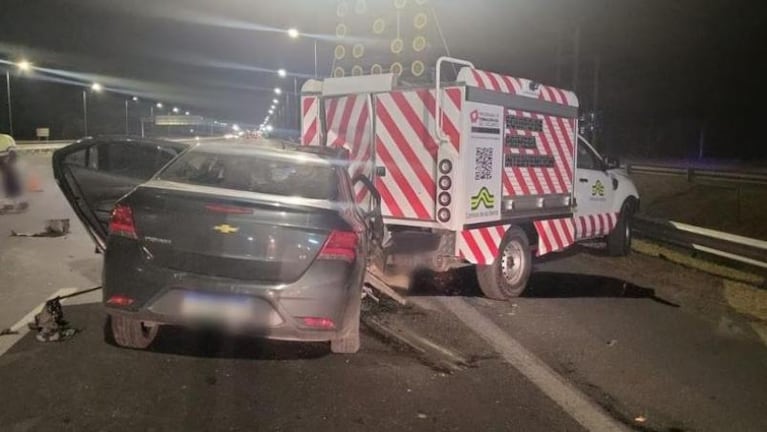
512 263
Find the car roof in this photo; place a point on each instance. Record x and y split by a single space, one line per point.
125 138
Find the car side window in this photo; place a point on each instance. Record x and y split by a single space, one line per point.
129 159
123 158
85 158
587 159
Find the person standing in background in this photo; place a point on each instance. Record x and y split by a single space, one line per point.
9 172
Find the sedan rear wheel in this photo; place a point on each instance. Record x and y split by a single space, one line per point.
131 333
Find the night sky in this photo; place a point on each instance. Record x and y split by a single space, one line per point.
670 70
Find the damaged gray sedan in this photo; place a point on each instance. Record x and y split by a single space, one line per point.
249 239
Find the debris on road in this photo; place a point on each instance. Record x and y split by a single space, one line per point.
640 419
431 354
53 228
612 342
374 280
50 323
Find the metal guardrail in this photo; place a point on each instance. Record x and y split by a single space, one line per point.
730 246
692 174
46 146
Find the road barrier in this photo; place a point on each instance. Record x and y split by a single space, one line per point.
692 174
729 246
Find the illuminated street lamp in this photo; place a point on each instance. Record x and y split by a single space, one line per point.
282 73
278 91
134 98
24 66
159 105
269 128
175 110
96 87
186 112
294 34
275 101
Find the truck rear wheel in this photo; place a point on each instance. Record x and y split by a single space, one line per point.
507 276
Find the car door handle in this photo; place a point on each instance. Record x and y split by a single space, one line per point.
583 180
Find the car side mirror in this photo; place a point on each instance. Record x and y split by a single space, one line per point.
612 162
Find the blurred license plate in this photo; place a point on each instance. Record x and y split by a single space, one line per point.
216 307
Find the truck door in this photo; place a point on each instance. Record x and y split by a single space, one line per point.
594 194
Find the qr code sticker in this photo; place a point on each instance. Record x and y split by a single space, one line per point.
483 163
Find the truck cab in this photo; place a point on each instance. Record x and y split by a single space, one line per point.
605 199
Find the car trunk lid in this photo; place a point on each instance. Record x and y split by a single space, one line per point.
259 239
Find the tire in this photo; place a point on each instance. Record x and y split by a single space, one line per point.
348 342
507 276
129 333
619 240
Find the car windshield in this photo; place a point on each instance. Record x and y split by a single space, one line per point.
254 173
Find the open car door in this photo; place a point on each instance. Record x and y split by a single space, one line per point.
94 173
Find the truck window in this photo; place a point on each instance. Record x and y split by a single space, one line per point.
587 159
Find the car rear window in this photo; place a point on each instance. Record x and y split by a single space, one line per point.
254 173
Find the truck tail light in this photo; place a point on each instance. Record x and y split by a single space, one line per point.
443 215
444 199
121 223
445 182
340 245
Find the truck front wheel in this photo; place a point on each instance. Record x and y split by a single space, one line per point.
507 276
619 240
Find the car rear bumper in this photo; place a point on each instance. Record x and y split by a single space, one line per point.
326 290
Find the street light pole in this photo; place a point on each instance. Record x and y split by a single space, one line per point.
10 114
126 116
315 59
85 113
299 109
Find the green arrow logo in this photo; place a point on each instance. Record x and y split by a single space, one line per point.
483 197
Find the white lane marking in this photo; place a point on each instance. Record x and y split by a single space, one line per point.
6 342
556 387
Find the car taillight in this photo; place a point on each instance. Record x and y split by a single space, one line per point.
340 245
120 300
318 322
121 223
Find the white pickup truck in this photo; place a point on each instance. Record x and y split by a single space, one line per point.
487 170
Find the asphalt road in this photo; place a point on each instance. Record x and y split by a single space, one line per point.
649 345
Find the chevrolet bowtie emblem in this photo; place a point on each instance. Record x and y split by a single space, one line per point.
226 229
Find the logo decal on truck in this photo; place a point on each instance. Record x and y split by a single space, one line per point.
483 197
598 189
